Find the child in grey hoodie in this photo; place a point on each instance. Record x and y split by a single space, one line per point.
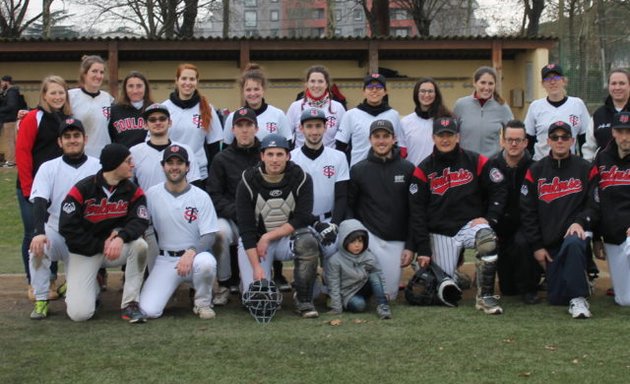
353 273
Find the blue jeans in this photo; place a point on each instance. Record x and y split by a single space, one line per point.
26 211
374 286
566 274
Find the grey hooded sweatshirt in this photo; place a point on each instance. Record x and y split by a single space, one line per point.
347 273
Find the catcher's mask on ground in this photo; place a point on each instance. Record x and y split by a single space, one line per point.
432 286
262 299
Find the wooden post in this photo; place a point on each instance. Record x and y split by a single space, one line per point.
112 65
373 57
497 62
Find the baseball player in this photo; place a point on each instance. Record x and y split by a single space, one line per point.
516 268
599 132
612 192
378 198
52 183
224 175
185 223
456 199
274 205
557 106
555 218
354 128
102 220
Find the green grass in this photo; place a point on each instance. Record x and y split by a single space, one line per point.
528 344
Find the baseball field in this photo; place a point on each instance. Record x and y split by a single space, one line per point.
527 344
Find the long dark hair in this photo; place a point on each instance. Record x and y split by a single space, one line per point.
489 70
437 109
124 98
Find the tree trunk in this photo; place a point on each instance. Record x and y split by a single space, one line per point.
189 18
226 19
380 8
535 11
46 20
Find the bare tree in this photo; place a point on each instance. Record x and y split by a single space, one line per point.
533 12
377 16
13 19
423 12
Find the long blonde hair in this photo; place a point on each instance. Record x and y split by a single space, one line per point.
54 79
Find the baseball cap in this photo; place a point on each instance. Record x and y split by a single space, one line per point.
244 113
621 120
312 114
155 108
445 124
71 123
385 125
175 151
559 125
374 77
551 68
274 141
7 78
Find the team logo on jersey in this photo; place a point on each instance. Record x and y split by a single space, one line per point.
496 176
399 178
196 119
68 208
441 184
413 188
613 177
557 188
106 112
331 121
191 214
328 171
142 212
624 118
275 193
97 211
271 127
574 120
524 190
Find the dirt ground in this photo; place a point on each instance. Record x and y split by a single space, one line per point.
13 291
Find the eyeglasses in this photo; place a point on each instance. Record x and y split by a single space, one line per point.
552 78
156 119
560 137
426 91
514 141
374 86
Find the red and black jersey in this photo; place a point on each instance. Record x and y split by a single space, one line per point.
555 195
449 190
126 125
93 209
612 194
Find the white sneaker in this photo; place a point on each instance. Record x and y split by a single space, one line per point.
205 313
221 296
578 308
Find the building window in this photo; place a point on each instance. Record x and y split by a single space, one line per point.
250 19
357 14
318 13
250 3
398 14
400 32
338 14
275 15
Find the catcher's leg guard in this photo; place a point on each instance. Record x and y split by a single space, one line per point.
486 270
306 251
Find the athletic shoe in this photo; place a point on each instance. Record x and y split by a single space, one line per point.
383 311
489 304
133 314
52 290
310 313
234 289
62 290
578 308
610 292
40 311
221 296
281 283
205 312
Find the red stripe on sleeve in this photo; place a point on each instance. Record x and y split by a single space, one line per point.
139 193
76 194
594 172
417 173
529 177
481 162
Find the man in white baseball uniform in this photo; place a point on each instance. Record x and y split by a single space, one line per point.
185 223
52 183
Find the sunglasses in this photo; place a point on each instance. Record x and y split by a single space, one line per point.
552 78
560 137
156 119
374 86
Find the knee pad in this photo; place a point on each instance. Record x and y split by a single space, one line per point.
486 245
304 245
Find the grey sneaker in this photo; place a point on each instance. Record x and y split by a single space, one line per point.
204 312
308 313
578 308
133 314
383 311
489 305
221 296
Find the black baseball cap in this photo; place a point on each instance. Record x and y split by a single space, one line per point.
274 141
7 78
374 77
244 113
175 151
551 68
621 120
559 125
445 124
384 125
155 108
312 114
71 123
